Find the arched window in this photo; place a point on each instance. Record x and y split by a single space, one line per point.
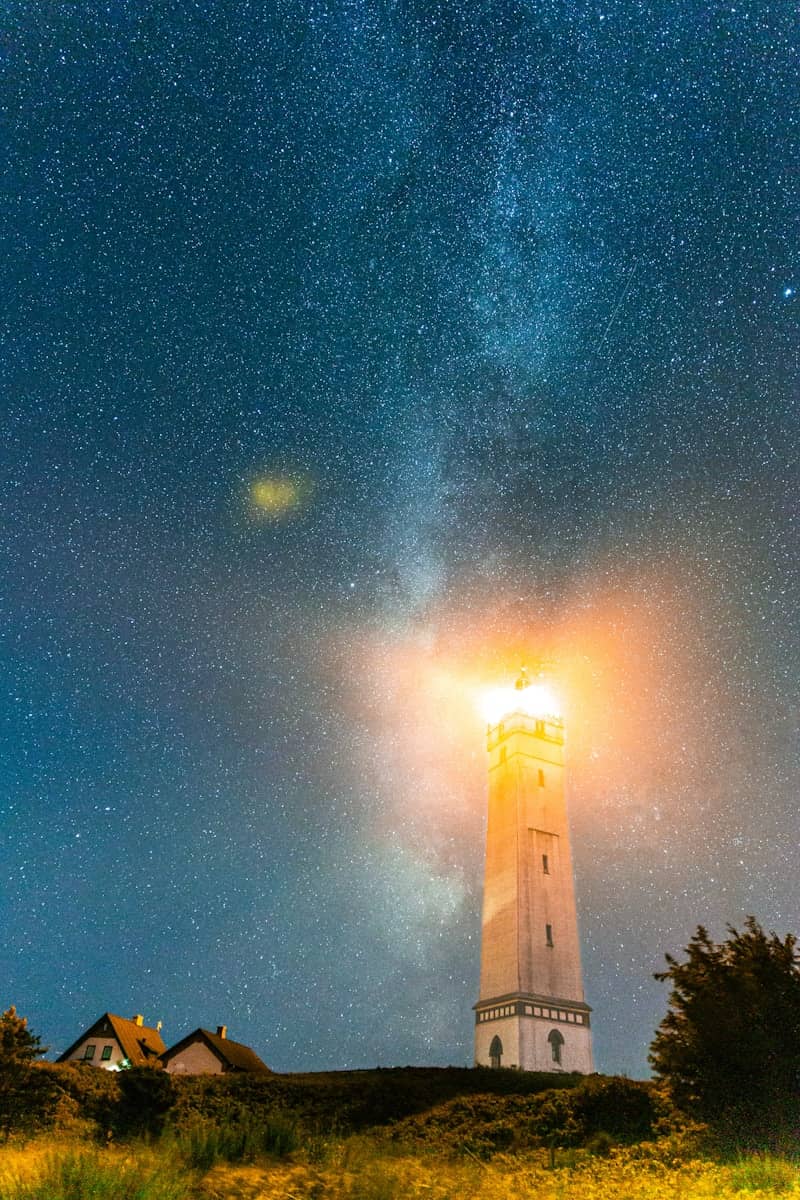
556 1040
495 1052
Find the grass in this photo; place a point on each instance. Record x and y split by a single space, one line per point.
365 1175
48 1172
764 1173
363 1168
204 1143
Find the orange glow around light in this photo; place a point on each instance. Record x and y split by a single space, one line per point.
535 700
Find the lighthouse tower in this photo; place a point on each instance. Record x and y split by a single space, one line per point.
531 1013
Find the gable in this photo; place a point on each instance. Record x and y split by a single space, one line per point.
137 1043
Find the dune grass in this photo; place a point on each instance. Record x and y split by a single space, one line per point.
203 1143
362 1168
47 1171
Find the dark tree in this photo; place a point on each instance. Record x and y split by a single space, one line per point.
729 1046
19 1049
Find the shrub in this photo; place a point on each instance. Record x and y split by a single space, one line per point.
146 1094
74 1092
600 1144
625 1108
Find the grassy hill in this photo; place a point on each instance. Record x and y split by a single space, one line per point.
445 1109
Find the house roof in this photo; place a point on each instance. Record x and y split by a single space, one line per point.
233 1055
139 1043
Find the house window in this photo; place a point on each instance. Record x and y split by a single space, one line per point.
496 1052
89 1052
106 1055
548 933
541 777
556 1040
545 865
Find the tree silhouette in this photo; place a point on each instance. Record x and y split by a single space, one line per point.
729 1046
19 1049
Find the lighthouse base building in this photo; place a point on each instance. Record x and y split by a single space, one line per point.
531 1013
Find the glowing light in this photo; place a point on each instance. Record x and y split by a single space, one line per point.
536 700
277 495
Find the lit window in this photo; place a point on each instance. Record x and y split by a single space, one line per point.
89 1052
556 1040
548 930
106 1055
545 865
541 777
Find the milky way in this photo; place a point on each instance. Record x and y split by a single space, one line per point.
353 353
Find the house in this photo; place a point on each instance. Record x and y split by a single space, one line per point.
114 1042
206 1053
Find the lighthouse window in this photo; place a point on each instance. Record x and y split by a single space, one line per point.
556 1040
541 777
548 930
502 754
496 1052
545 865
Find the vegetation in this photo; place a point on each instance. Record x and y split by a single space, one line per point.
358 1168
612 1109
49 1171
203 1144
19 1049
146 1095
78 1133
729 1046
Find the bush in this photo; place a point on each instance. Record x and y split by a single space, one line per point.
626 1109
146 1094
78 1092
562 1118
600 1144
349 1101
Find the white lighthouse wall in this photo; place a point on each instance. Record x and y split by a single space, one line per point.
526 1045
507 1029
537 1053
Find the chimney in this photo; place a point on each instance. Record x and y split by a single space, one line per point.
222 1031
138 1019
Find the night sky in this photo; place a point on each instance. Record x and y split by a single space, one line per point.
354 352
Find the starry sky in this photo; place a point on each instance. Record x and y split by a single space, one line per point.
355 351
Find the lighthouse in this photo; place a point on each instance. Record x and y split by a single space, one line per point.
531 1013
